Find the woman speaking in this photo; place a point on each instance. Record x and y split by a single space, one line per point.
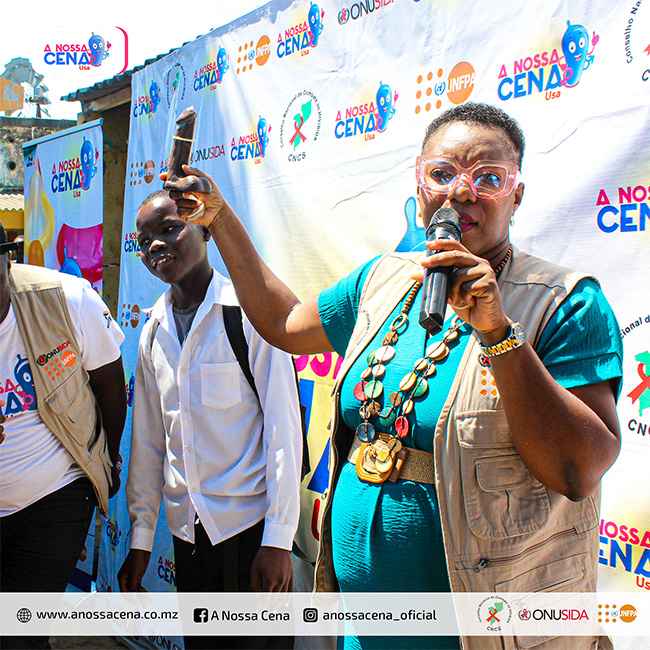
469 460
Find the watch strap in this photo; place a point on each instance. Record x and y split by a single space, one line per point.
515 339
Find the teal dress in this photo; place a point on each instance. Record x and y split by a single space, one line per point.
387 537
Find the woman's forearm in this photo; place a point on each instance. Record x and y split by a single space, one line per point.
273 309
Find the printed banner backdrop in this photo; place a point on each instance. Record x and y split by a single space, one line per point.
64 202
310 116
64 215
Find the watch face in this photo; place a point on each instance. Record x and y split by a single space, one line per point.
519 333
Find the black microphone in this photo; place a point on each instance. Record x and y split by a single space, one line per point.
445 224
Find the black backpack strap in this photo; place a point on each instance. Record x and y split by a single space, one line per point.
304 425
232 321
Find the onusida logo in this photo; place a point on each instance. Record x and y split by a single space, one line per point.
361 9
553 615
43 358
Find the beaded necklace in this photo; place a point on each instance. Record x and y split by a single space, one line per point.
382 455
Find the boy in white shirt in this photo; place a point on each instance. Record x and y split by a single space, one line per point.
226 461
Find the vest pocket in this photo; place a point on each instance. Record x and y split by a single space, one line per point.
69 401
502 498
564 575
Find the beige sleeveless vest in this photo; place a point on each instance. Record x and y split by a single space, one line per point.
503 530
66 403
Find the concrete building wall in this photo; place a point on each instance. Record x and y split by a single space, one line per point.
14 131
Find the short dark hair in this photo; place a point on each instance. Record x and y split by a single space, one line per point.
161 194
158 194
485 114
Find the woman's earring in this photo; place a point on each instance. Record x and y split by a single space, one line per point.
512 220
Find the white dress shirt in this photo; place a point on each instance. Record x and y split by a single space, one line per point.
199 437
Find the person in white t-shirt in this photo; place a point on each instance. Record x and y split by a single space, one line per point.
46 499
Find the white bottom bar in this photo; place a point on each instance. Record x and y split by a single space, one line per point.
305 614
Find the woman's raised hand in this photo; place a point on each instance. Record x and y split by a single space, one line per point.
203 209
473 292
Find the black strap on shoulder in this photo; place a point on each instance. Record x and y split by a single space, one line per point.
232 321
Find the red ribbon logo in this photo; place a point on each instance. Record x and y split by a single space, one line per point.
492 618
297 125
639 393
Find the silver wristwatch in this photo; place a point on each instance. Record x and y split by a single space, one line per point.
515 339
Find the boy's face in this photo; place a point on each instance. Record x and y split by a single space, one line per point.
169 247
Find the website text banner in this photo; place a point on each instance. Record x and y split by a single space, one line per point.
303 614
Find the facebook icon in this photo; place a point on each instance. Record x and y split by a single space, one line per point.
200 615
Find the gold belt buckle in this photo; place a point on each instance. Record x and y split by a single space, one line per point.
375 460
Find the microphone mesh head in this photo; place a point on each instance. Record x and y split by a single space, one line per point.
446 218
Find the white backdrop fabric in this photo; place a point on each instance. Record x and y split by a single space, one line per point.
310 117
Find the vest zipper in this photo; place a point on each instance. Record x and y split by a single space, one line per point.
483 562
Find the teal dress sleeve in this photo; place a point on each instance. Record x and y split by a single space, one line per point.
582 344
338 306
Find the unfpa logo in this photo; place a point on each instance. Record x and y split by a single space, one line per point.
612 614
142 171
458 87
130 315
248 53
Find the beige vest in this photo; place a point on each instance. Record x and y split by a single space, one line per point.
503 530
66 403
